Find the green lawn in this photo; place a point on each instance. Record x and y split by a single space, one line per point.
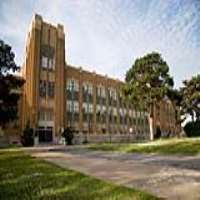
23 177
186 146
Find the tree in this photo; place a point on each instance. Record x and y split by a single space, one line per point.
27 139
147 82
190 104
68 135
9 85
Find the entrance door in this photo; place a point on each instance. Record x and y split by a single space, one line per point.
45 134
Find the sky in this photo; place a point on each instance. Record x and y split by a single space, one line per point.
107 36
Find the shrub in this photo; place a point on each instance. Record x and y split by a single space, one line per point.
192 129
68 135
27 139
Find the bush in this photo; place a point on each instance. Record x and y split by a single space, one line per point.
192 129
27 139
68 135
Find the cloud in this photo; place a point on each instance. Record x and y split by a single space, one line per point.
108 35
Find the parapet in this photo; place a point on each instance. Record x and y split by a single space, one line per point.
37 22
60 29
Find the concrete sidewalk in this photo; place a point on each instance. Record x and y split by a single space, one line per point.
170 177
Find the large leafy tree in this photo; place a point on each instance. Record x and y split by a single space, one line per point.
9 85
190 104
147 82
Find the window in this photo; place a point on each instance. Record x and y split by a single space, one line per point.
87 87
103 92
100 91
115 111
76 84
115 95
87 108
112 93
72 85
44 62
121 112
90 108
130 112
76 107
69 106
45 87
98 109
73 106
42 88
51 64
48 63
51 89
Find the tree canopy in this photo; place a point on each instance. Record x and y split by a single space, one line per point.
148 80
190 104
9 84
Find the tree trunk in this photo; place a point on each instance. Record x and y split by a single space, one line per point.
151 122
192 115
176 128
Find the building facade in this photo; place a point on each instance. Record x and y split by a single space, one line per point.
57 95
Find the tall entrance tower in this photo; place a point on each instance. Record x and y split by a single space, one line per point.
44 71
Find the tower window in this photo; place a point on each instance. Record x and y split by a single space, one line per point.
44 62
51 64
42 88
51 89
48 63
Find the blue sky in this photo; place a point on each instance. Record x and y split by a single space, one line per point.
106 36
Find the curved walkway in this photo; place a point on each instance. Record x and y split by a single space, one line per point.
170 177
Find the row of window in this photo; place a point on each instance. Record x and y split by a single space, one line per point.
87 96
112 119
47 115
46 88
73 106
73 85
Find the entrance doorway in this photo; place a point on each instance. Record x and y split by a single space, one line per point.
45 134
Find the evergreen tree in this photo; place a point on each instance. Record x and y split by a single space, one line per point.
190 104
147 82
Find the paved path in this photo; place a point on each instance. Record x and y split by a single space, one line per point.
171 177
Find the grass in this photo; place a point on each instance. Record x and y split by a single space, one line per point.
25 177
185 146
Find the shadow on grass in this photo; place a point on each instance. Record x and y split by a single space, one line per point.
24 177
